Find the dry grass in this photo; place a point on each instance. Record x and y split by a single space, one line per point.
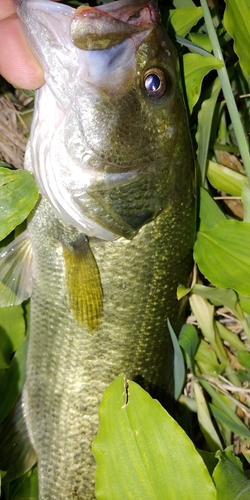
15 114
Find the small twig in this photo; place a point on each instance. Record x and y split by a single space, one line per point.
227 197
220 387
231 387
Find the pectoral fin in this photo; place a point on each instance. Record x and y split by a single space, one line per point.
16 271
17 454
83 283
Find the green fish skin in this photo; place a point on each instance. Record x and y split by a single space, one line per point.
112 235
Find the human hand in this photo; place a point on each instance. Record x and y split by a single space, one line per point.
18 64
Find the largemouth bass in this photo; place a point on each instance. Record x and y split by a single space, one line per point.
112 235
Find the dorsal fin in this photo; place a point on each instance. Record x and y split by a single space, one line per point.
16 271
83 283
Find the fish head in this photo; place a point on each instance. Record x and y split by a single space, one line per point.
128 81
115 154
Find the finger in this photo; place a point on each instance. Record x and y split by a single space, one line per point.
18 64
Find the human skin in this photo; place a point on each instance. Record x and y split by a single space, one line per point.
18 64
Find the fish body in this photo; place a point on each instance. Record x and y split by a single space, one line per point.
112 235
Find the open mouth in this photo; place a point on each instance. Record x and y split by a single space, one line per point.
96 28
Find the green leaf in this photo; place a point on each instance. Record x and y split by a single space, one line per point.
210 214
188 402
18 195
225 408
223 256
244 359
205 420
246 201
25 487
195 68
207 360
227 90
229 298
182 20
201 40
179 4
219 297
4 164
224 418
209 459
229 478
230 337
245 303
245 450
140 451
12 331
189 341
13 381
182 291
179 365
204 313
205 119
225 179
191 46
236 22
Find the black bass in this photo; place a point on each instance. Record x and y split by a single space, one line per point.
112 235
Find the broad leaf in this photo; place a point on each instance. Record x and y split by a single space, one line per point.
236 21
229 478
225 179
201 40
219 297
183 20
141 451
210 213
195 68
18 195
223 256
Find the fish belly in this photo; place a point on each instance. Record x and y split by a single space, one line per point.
69 365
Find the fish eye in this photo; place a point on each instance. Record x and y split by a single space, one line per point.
155 83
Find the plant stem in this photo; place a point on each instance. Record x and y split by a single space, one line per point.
227 91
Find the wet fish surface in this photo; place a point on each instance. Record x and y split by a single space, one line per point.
112 235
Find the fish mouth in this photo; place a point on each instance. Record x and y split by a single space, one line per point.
97 28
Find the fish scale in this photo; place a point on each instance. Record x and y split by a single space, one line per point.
68 367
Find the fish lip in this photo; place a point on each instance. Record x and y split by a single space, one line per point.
95 28
125 12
